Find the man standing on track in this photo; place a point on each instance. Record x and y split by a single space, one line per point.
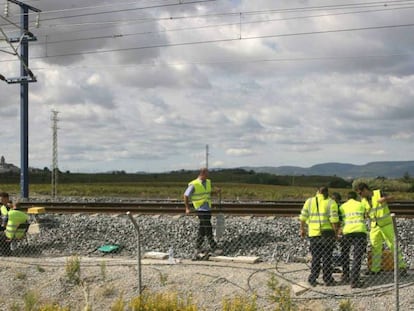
199 191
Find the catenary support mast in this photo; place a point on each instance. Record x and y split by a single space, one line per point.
24 96
55 168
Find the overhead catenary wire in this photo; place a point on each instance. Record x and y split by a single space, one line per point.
20 29
245 13
221 40
233 61
123 35
94 14
240 22
117 4
241 38
267 11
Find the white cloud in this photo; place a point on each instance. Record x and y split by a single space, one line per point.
239 152
343 96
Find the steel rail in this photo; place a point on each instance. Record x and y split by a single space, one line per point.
256 208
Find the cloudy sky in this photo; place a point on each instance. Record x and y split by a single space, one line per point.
146 85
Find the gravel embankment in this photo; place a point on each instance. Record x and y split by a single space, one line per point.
269 238
266 237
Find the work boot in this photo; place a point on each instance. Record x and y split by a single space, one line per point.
403 272
357 284
217 252
345 279
330 283
369 272
196 255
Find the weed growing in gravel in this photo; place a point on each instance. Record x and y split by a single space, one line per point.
72 269
86 295
280 294
30 299
163 278
150 301
73 273
162 302
119 304
103 270
40 269
240 303
21 275
53 307
346 305
108 290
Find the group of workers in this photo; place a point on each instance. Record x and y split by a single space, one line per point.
324 220
11 221
324 223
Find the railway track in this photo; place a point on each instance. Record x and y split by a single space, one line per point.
255 208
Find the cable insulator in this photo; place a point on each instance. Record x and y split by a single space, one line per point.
6 9
37 20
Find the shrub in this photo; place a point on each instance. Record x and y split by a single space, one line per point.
240 303
162 302
384 184
280 294
30 300
72 269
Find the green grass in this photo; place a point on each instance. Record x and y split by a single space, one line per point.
175 190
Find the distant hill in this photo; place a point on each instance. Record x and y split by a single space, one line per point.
389 169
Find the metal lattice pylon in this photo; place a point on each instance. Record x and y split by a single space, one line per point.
55 169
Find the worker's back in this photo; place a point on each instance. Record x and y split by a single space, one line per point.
16 218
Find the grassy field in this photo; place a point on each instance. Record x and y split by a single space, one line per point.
175 190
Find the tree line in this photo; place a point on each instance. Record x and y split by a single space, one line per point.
183 176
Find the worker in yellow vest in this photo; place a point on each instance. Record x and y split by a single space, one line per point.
381 227
5 206
15 219
320 215
354 234
199 192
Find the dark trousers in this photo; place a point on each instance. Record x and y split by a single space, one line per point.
359 243
4 245
321 249
205 229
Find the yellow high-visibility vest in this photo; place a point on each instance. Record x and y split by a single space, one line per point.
201 194
379 213
353 213
319 213
16 218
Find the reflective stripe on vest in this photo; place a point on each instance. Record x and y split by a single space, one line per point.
15 219
354 214
319 214
201 195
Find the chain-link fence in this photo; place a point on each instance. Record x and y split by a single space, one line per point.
253 251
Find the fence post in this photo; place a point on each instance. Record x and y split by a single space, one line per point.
396 269
138 250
